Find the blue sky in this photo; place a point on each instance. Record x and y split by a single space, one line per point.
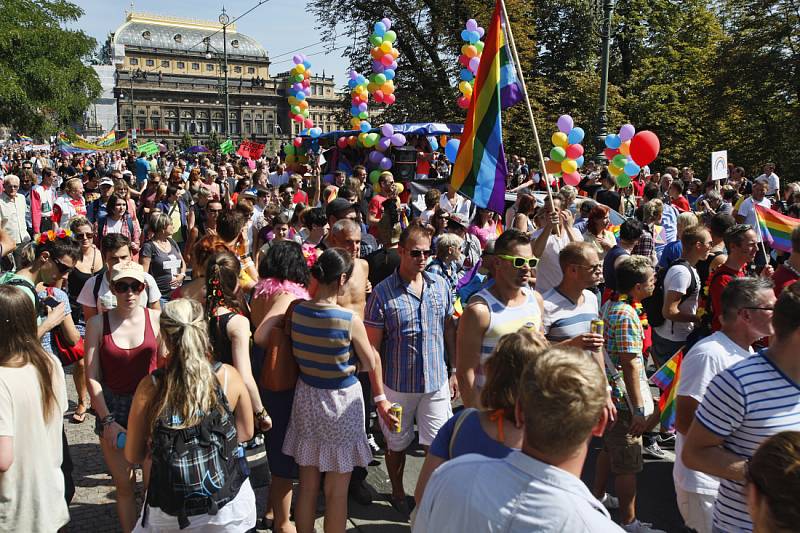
279 25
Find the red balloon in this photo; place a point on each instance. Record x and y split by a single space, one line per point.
644 147
573 178
297 141
341 142
610 153
574 151
464 60
378 96
389 99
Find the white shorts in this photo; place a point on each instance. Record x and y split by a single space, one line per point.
696 509
430 410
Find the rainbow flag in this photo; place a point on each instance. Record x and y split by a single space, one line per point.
776 229
480 170
667 378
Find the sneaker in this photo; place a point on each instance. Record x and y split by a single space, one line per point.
376 450
653 452
609 501
641 527
665 438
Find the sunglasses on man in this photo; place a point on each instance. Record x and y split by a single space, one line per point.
520 262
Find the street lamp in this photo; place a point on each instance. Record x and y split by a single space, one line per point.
225 20
602 115
138 74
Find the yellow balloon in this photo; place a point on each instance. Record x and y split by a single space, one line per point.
625 148
614 171
399 187
355 123
560 139
569 166
465 87
300 68
386 47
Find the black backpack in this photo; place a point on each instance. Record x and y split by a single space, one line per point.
653 305
196 470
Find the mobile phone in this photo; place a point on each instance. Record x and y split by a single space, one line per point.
51 302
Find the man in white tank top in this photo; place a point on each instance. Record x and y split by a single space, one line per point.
504 307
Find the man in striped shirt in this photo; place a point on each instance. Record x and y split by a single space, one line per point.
409 319
744 406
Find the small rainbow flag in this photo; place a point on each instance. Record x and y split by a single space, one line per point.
480 170
666 378
776 228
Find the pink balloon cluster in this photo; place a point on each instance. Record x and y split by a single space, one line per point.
470 59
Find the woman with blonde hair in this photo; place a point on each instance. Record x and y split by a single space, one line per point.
187 393
162 258
494 431
33 397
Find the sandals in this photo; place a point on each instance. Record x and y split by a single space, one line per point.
78 417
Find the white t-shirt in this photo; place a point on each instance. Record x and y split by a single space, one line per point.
106 299
747 210
459 204
705 360
773 182
276 180
679 279
565 319
32 490
548 271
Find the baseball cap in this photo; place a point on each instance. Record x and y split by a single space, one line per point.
458 218
107 181
127 269
338 205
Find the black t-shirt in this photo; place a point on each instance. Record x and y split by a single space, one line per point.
163 266
609 198
382 263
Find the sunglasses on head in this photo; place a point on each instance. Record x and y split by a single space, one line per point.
123 286
420 253
520 262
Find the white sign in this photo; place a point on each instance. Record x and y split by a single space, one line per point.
719 165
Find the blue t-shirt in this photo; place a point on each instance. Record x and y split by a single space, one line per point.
142 170
672 251
63 298
471 438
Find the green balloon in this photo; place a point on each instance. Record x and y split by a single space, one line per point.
620 160
390 36
623 180
380 79
374 176
363 115
289 149
479 46
296 110
375 40
558 154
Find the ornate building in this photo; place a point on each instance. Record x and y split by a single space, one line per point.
170 80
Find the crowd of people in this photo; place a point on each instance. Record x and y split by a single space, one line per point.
209 310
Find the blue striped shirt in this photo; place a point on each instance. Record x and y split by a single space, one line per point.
745 405
412 350
321 345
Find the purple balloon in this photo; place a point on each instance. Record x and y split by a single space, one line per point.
384 144
472 25
376 65
626 132
474 63
297 87
385 163
480 31
398 139
362 107
375 157
307 91
565 123
297 59
387 22
393 66
387 130
353 74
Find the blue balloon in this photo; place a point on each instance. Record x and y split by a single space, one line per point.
307 64
474 37
465 35
301 95
365 126
613 141
352 84
451 149
389 73
466 75
434 143
380 28
361 80
579 161
315 132
631 169
575 135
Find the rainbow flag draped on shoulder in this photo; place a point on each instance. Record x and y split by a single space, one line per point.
666 378
480 170
776 228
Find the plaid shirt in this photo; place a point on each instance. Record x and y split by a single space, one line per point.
412 350
646 245
624 334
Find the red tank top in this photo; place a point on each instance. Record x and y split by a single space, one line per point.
123 369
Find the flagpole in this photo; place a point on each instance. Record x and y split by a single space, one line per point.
543 168
760 235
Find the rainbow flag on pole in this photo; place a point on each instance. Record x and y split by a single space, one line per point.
666 378
480 170
776 229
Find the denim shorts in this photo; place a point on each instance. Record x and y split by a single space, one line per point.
118 405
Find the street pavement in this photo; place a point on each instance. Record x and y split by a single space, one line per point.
93 510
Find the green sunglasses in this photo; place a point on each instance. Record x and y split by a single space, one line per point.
520 262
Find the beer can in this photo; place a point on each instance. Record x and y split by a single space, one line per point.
597 326
397 410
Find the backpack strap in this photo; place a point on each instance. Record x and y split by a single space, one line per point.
457 427
21 282
98 280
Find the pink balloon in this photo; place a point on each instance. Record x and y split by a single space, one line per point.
474 63
387 60
463 102
308 123
574 151
389 99
573 178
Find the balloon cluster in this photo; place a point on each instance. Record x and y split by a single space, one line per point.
566 157
627 152
294 154
378 157
300 76
384 62
470 59
359 98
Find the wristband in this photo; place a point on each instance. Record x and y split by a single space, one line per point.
379 398
108 419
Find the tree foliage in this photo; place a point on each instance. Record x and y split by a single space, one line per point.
186 141
46 85
703 75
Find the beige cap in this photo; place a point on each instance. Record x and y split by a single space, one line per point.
127 269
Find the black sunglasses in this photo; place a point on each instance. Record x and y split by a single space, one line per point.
420 253
64 269
122 287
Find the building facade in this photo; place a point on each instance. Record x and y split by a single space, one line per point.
170 80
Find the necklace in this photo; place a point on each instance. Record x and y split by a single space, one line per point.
637 306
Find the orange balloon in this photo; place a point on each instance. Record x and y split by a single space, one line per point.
395 53
553 167
303 104
376 53
625 148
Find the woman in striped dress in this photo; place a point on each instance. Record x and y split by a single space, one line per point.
326 430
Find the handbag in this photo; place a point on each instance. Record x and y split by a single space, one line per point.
280 370
67 353
255 453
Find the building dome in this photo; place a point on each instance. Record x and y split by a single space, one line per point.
184 35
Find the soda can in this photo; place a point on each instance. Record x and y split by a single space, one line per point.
597 326
397 410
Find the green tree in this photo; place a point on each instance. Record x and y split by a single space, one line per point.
186 141
46 85
212 143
